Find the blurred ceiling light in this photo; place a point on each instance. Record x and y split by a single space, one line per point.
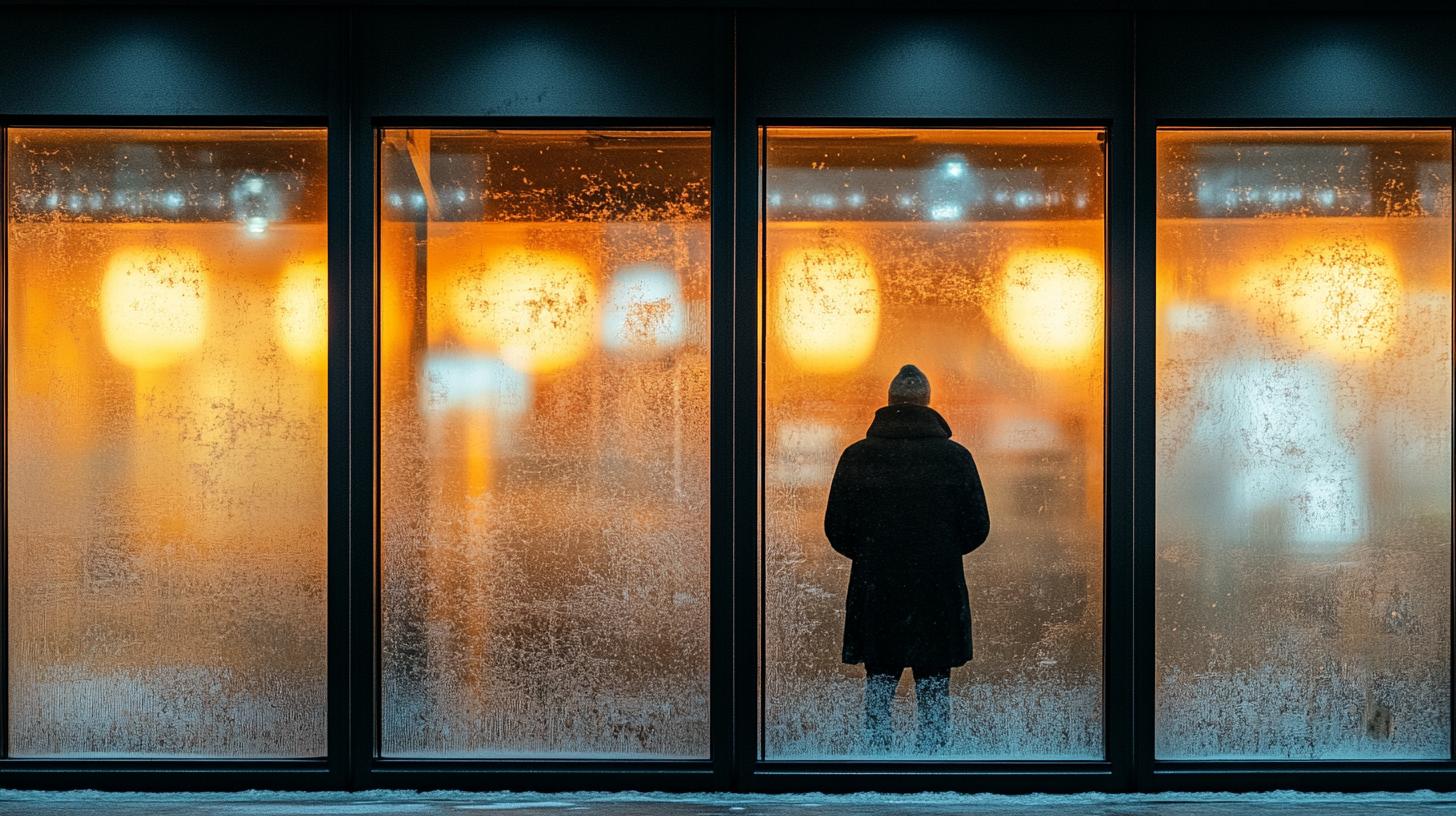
537 308
256 203
303 312
153 305
644 310
949 188
1341 297
828 308
1051 307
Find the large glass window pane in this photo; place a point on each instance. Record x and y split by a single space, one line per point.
166 381
976 255
544 443
1304 444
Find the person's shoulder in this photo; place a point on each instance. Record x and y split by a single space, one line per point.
855 458
956 449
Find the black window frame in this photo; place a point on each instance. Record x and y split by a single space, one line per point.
183 86
1323 88
996 72
627 70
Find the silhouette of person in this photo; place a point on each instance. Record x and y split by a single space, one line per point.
905 505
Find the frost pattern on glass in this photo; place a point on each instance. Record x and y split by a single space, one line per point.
1304 444
544 443
166 469
976 255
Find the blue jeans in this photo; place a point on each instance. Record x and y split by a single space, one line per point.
932 706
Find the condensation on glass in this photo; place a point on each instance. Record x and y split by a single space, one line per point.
978 256
1303 444
166 382
544 443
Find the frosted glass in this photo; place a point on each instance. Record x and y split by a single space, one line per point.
1303 444
978 256
166 450
544 443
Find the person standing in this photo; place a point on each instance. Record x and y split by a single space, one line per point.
905 505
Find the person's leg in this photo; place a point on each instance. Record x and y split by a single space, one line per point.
880 683
932 708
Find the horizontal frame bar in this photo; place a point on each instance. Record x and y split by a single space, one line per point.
167 775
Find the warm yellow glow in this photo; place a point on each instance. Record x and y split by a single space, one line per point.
303 312
153 305
537 308
1051 307
828 308
1340 297
477 457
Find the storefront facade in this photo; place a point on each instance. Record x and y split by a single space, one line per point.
447 397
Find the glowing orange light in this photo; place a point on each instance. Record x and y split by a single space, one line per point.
153 305
828 308
537 308
1340 297
1051 307
477 458
303 312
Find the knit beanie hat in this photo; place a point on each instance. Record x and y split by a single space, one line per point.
910 387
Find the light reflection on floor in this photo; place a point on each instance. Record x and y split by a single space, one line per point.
440 803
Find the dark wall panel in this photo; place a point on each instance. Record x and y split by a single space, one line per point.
926 65
510 63
166 62
1275 66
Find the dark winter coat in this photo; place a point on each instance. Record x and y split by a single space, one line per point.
906 503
